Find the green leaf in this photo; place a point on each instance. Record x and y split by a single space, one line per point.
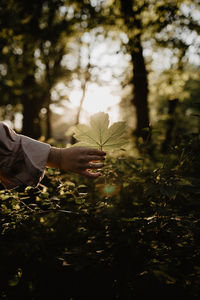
99 134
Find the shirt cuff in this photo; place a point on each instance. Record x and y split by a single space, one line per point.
35 157
29 164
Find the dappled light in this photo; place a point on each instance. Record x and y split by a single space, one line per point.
109 93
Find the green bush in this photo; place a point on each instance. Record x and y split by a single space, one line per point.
133 233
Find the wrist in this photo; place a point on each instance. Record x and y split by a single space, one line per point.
54 158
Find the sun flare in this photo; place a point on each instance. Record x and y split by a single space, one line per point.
97 99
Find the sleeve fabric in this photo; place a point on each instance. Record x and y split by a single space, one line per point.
22 159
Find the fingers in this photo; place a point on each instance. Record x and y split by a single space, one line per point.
90 175
79 160
91 166
94 166
91 151
94 158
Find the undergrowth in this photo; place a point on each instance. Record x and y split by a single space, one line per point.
133 233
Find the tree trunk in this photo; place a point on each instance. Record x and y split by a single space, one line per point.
48 134
31 109
132 19
77 121
48 123
81 102
31 121
140 83
170 126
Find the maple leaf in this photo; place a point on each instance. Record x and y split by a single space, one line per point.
99 135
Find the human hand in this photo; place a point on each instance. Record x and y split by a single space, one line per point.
77 159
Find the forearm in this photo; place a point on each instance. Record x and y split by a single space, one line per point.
54 158
22 159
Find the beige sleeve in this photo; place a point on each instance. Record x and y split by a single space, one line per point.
22 159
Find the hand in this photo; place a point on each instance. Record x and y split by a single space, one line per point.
76 159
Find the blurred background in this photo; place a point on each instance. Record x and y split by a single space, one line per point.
133 233
139 60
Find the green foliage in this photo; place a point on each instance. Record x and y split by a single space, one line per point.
34 39
135 236
98 135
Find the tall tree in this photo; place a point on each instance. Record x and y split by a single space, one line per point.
132 19
33 41
148 20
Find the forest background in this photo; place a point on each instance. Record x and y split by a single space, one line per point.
135 232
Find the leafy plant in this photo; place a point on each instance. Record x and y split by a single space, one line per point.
99 134
139 232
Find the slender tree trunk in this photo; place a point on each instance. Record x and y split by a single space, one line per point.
47 96
132 19
31 109
48 116
48 123
81 102
140 83
77 121
31 121
49 82
31 100
171 122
